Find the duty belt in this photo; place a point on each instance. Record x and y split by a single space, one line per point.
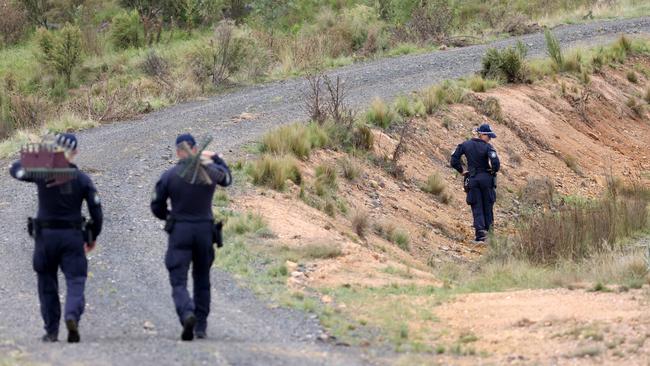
59 224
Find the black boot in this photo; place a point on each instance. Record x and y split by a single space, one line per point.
201 334
73 331
50 338
188 328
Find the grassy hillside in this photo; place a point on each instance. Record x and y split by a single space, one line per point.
71 64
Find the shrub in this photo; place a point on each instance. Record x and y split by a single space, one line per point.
350 168
554 49
155 66
244 224
26 112
401 239
380 114
13 23
434 185
508 64
491 107
360 221
223 56
274 171
631 77
363 138
647 95
572 163
326 181
636 107
319 251
126 31
61 51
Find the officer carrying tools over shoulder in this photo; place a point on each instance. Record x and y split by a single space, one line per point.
479 178
190 186
62 236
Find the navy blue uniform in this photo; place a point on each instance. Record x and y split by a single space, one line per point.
482 166
190 239
62 247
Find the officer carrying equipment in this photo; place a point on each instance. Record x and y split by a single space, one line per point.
62 236
479 180
191 228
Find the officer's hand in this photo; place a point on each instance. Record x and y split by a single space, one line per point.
465 174
208 154
89 247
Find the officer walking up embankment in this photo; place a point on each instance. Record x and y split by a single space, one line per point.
62 237
479 178
190 187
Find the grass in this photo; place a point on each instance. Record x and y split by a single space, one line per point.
434 185
360 222
274 171
69 122
632 77
380 114
297 139
350 169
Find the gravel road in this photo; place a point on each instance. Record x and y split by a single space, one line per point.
129 284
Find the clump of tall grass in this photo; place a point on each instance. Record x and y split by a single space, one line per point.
553 49
274 171
297 139
508 64
579 232
380 114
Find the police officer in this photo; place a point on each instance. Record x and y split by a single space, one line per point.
190 225
480 177
60 242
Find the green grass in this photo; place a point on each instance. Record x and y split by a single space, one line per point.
274 171
380 114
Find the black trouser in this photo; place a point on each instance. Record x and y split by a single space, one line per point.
481 196
191 242
63 248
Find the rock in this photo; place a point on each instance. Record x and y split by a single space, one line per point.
323 337
291 266
148 326
326 299
443 47
373 184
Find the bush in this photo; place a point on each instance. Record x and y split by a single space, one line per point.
363 138
350 168
401 239
61 51
554 49
360 221
13 23
155 66
632 78
508 64
223 56
325 179
274 171
636 107
380 114
434 184
126 31
26 112
647 95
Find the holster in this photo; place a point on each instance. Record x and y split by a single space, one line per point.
32 227
169 225
217 235
87 230
466 183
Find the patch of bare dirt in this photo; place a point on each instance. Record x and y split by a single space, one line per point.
550 327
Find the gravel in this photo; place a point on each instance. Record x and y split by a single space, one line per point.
130 318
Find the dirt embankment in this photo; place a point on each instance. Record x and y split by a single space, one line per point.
558 137
555 137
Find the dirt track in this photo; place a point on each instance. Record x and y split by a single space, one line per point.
129 284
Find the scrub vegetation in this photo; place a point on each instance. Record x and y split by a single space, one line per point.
101 61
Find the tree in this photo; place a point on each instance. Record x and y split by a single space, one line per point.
61 51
